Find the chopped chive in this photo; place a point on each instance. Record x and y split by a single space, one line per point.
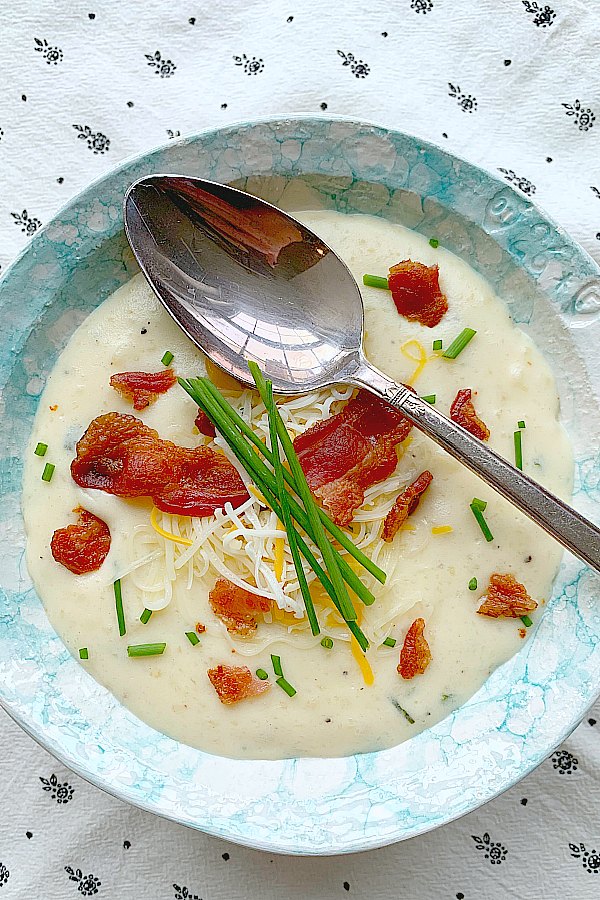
48 472
438 344
327 643
119 606
83 653
145 616
433 242
526 621
260 673
146 649
288 524
445 697
40 449
167 358
459 343
482 523
192 638
518 450
473 584
285 686
389 642
276 662
375 281
480 504
401 709
429 398
521 423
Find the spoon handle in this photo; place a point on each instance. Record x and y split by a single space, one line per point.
564 523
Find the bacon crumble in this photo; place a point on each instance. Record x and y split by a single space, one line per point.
506 597
415 655
142 388
416 292
83 547
405 504
120 455
237 607
204 425
463 413
235 683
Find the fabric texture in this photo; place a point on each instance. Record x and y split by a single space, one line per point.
513 85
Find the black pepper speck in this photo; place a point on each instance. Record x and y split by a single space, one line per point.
346 886
144 331
524 801
225 856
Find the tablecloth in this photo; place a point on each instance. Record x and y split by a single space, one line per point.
513 85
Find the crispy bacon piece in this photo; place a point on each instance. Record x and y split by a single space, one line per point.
236 606
349 452
200 628
416 292
122 456
235 683
405 504
142 388
81 548
415 655
204 425
463 413
507 598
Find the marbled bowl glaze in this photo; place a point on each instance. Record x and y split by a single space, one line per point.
526 708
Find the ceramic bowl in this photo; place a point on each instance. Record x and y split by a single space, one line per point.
523 711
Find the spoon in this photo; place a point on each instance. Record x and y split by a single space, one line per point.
245 281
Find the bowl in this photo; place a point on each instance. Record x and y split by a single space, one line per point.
525 708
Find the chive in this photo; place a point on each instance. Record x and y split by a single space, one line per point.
389 642
445 697
197 389
260 673
521 423
401 709
526 621
285 686
119 606
518 450
276 662
429 398
48 472
327 643
83 653
145 616
433 242
330 557
146 649
376 281
473 584
482 523
480 504
167 358
438 344
459 343
288 524
192 638
40 449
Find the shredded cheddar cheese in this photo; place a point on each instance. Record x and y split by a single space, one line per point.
279 554
167 534
442 529
363 663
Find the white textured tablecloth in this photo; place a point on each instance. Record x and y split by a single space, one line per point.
511 84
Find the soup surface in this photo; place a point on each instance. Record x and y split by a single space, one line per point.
430 563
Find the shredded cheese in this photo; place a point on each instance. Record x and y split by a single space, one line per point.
363 663
168 535
279 554
442 529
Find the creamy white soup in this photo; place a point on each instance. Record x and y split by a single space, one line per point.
343 704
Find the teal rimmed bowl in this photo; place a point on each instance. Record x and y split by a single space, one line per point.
526 707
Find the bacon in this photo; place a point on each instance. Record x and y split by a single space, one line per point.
463 413
204 425
416 292
81 548
344 455
507 598
200 628
415 655
235 683
120 455
142 388
405 505
236 606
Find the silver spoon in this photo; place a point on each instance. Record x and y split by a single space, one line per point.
245 281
